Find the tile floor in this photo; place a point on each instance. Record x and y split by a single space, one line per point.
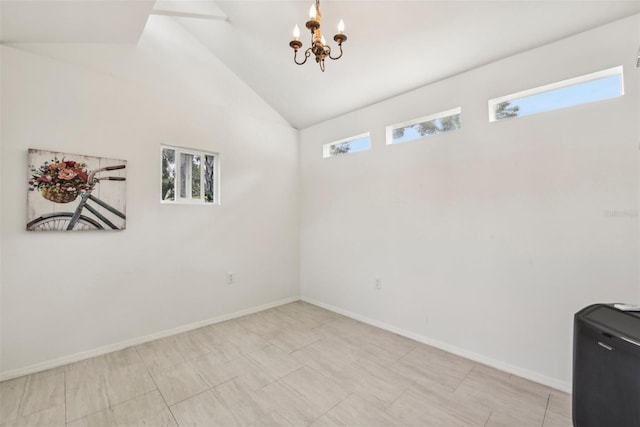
294 365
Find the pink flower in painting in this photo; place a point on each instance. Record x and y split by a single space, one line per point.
60 174
66 174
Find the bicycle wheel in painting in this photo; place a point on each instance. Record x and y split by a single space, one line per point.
59 221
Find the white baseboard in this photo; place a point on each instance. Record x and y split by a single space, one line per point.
61 361
524 373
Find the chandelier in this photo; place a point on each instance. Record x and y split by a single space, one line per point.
319 46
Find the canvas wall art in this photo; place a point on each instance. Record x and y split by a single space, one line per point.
72 192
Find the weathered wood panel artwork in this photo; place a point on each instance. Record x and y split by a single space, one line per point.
73 192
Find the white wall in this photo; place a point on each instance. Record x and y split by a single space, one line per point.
66 295
490 238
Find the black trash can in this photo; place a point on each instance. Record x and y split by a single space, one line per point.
606 367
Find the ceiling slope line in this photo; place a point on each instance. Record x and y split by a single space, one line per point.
189 15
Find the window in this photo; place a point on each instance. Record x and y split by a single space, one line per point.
578 90
434 124
189 176
347 145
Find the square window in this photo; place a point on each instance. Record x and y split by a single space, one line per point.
188 176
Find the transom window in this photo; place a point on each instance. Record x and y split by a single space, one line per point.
348 145
422 127
189 176
592 87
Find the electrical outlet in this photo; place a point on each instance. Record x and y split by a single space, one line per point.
378 284
230 278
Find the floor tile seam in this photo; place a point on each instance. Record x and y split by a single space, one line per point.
193 358
168 340
265 320
64 373
274 375
399 357
171 367
488 418
322 374
104 385
304 346
204 380
399 396
227 360
185 399
406 355
111 406
291 423
244 353
295 392
22 398
560 412
111 399
395 370
482 401
325 377
217 385
106 390
546 409
333 406
327 321
156 389
229 409
385 368
292 389
464 378
311 343
108 408
514 399
27 415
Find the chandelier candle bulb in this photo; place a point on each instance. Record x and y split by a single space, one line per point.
296 33
312 11
341 27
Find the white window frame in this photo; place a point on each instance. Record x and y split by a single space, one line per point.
424 119
574 81
326 148
188 184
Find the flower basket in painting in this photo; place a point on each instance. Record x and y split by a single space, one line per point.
64 196
60 181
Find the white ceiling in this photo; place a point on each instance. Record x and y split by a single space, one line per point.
73 21
393 46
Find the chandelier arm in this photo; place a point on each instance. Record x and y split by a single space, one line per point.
339 56
307 53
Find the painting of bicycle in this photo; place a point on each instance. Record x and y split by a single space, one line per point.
72 192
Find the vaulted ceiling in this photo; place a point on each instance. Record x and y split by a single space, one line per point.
392 46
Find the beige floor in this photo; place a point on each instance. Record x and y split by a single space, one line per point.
289 366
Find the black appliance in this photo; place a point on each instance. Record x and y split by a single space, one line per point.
606 367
